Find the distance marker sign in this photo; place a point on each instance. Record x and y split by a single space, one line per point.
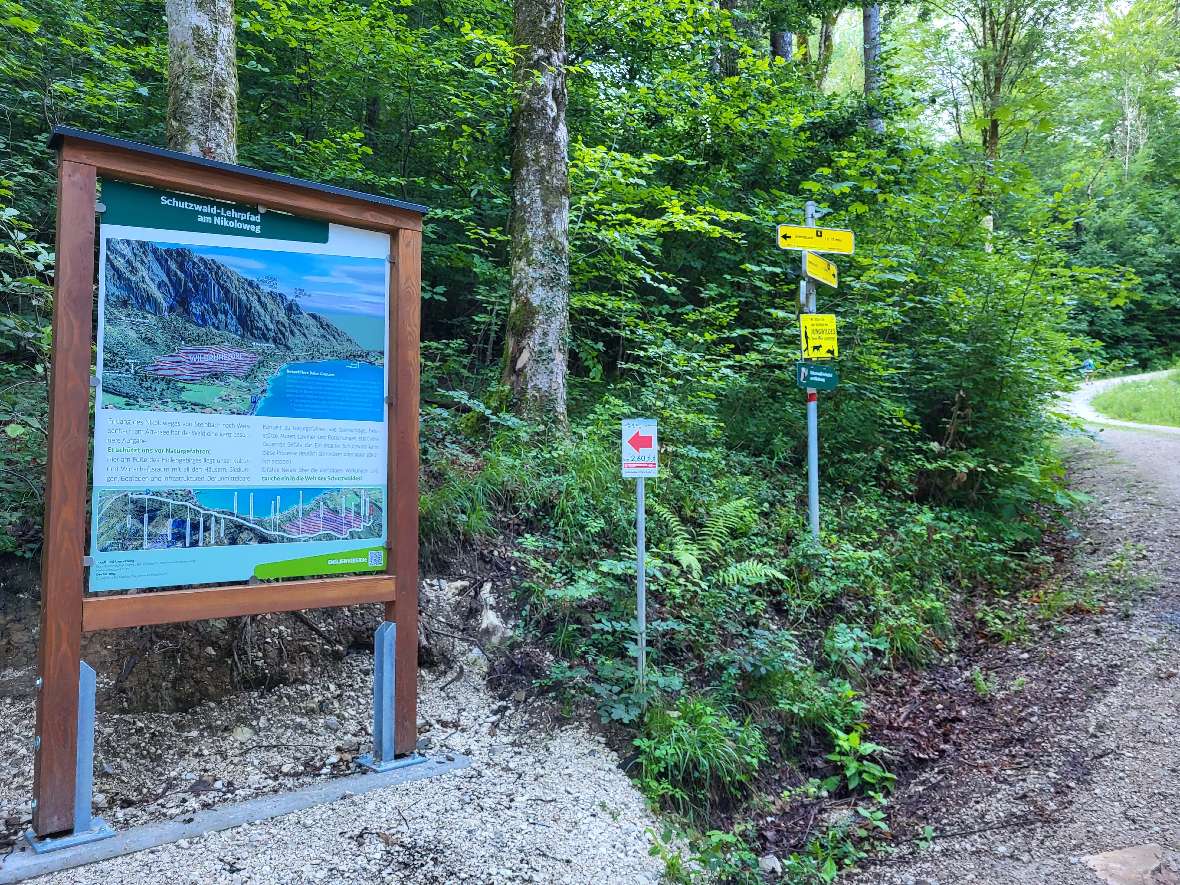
815 239
817 336
640 445
820 269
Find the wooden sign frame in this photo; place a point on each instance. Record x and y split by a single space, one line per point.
66 613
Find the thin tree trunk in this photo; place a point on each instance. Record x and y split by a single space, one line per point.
537 343
202 79
803 47
991 142
871 22
827 47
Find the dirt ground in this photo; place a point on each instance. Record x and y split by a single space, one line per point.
1064 769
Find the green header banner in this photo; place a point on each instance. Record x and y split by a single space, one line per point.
138 206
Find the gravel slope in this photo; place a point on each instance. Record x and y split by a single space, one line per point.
537 804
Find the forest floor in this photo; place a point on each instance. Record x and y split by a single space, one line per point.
1073 776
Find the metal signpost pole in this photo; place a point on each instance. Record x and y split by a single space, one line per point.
641 580
640 446
807 305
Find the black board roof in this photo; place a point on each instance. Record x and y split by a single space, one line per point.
63 132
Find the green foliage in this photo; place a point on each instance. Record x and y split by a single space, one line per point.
693 755
688 143
858 761
26 265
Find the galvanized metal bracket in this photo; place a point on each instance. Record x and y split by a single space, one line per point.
86 828
384 757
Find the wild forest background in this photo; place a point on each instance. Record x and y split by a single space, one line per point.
1013 186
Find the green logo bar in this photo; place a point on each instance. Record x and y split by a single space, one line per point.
366 559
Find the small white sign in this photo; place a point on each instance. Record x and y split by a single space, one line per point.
640 447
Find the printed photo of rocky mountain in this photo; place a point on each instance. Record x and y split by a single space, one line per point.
215 329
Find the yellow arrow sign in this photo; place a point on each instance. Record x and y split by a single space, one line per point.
817 336
821 269
815 239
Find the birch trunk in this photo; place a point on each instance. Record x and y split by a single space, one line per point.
202 79
537 342
871 26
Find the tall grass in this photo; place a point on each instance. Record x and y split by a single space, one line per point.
1148 402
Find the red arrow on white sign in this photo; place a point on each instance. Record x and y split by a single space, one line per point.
639 442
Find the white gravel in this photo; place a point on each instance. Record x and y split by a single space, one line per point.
537 804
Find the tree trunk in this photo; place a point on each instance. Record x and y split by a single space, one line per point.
991 142
803 47
826 47
782 45
202 79
537 341
871 21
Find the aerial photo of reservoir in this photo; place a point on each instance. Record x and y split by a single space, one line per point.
193 328
156 519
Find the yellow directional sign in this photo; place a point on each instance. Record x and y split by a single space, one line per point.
820 269
817 336
815 239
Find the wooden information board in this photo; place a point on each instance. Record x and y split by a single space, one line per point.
239 197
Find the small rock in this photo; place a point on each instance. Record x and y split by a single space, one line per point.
424 744
770 865
243 733
1129 866
331 723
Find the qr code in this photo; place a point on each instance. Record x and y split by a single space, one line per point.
376 558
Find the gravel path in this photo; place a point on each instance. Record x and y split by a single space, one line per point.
1094 795
538 804
1079 403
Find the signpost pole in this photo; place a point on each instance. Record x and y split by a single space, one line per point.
807 305
641 581
640 448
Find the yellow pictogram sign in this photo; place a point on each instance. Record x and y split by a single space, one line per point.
821 269
815 239
817 336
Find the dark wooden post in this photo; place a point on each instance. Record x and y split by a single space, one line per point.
406 295
65 502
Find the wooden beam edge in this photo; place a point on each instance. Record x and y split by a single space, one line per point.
204 603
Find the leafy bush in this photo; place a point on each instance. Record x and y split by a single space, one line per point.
693 755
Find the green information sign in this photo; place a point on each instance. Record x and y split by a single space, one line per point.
137 206
817 376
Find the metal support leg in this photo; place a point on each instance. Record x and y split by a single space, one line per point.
383 757
86 828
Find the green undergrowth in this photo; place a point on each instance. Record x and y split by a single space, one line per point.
762 644
1148 402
